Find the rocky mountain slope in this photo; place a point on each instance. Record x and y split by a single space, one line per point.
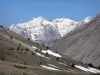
82 44
47 32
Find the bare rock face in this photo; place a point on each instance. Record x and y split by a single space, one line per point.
82 44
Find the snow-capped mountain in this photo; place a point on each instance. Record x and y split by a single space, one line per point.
43 31
64 25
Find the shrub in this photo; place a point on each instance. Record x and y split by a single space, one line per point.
28 38
16 57
68 62
85 63
90 64
99 67
22 49
36 50
24 63
18 48
66 69
33 53
12 48
56 52
72 65
57 58
47 54
9 48
47 47
19 44
11 37
27 49
41 62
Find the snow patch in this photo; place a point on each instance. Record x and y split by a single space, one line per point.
53 65
62 63
41 55
87 19
82 68
51 53
92 70
98 71
50 68
34 47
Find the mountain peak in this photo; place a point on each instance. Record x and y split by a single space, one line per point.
62 19
41 17
87 19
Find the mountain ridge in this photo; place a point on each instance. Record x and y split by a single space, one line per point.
42 31
82 44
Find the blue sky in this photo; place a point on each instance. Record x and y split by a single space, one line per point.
12 11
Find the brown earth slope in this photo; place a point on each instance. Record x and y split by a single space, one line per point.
17 57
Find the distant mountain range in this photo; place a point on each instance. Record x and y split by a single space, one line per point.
47 32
